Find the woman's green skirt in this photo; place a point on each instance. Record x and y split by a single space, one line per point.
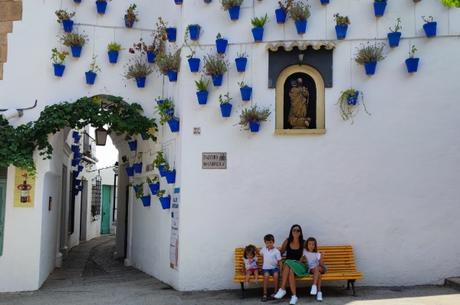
300 269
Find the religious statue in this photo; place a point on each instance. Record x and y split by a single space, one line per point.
299 98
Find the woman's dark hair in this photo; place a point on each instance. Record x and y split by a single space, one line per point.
313 240
291 237
250 249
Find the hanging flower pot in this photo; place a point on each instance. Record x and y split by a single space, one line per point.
246 93
194 64
137 167
234 12
341 31
77 1
280 15
75 134
370 67
80 168
129 22
301 26
140 81
221 45
165 202
254 126
194 31
146 200
352 99
171 176
178 2
171 33
217 79
258 34
226 109
68 25
132 145
75 148
75 174
75 162
412 64
90 77
430 28
113 56
379 7
324 2
151 57
154 187
101 6
393 39
77 182
172 76
162 169
76 51
174 124
77 138
130 171
241 63
202 97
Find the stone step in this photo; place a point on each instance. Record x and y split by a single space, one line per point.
453 282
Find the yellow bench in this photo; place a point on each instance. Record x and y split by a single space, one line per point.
339 260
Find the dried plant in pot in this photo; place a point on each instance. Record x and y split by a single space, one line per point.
169 64
233 8
250 118
349 103
215 66
341 26
138 69
368 55
75 42
300 12
65 18
91 74
131 16
394 36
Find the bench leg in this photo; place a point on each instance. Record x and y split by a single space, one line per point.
242 290
352 283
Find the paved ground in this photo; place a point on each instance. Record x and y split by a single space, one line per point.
90 276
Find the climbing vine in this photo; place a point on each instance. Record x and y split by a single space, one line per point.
18 144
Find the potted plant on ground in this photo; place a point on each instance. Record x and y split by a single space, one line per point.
113 50
258 27
101 6
65 18
341 26
91 74
138 69
349 103
202 90
241 61
300 12
169 64
58 58
368 55
430 26
245 91
194 31
412 62
215 66
166 112
281 12
154 184
233 8
131 16
221 44
225 105
165 201
379 7
251 117
395 34
75 42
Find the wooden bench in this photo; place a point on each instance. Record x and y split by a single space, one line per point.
339 260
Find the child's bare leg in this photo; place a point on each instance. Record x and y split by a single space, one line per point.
266 276
275 281
246 278
320 273
316 275
256 276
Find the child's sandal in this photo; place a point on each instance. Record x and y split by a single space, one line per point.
264 298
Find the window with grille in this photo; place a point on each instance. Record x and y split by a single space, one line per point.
96 197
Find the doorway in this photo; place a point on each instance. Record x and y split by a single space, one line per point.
106 199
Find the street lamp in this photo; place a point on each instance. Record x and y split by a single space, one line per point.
101 136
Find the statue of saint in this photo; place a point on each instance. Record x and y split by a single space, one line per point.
299 98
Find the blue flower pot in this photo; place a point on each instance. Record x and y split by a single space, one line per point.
75 174
75 148
165 202
137 167
254 126
140 82
172 76
217 80
202 97
75 162
113 56
146 200
132 145
393 39
76 51
226 109
234 13
75 134
178 2
353 99
194 64
129 22
324 2
171 33
246 93
77 182
241 63
77 138
159 102
280 16
151 56
58 70
154 187
130 171
194 32
68 25
80 168
341 31
430 28
162 170
412 64
171 176
379 8
174 124
90 77
301 26
77 1
258 34
101 6
221 45
370 67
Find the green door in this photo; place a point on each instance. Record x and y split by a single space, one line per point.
2 211
106 199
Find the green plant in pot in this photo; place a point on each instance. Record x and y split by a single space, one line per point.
341 27
250 118
113 50
202 90
92 72
58 58
215 66
349 102
138 69
166 111
368 55
75 42
65 18
258 24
